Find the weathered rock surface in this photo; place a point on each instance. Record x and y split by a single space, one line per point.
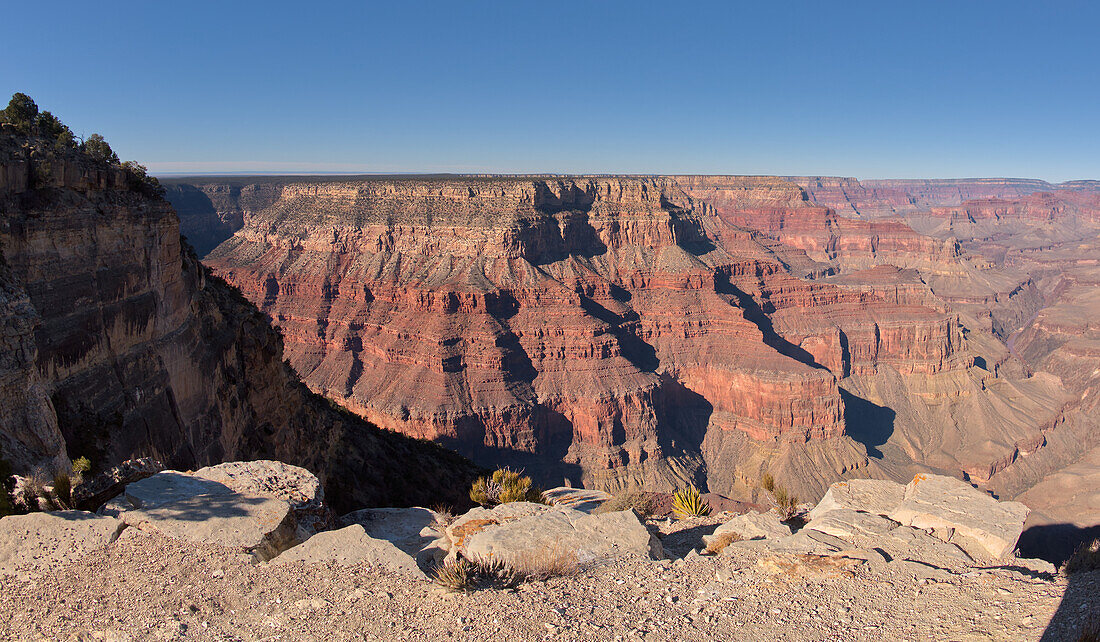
97 489
349 546
880 497
523 534
115 342
37 541
418 532
297 486
204 511
939 502
749 526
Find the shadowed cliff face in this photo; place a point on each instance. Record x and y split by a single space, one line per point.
626 331
118 343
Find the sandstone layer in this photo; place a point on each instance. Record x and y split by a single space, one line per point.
631 331
118 343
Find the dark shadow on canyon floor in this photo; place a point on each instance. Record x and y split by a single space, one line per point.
1055 543
1078 610
867 422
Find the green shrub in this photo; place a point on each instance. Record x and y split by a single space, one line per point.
20 112
81 465
642 503
505 486
687 502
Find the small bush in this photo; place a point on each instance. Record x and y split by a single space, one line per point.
505 486
63 490
81 465
466 575
767 482
785 502
722 541
687 502
641 503
1086 558
457 575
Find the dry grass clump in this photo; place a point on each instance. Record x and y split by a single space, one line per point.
445 514
642 503
505 486
1086 558
528 566
721 541
687 502
785 502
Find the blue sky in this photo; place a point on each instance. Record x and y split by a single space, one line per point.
874 90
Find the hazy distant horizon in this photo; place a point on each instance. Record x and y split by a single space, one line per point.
336 174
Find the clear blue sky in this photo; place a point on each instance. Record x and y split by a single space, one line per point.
875 89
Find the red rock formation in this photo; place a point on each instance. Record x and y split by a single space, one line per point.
584 321
117 343
642 331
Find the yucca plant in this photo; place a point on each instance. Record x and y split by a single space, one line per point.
687 502
505 486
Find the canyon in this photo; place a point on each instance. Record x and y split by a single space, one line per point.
118 343
650 331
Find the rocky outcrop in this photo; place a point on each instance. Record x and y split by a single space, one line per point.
525 535
119 343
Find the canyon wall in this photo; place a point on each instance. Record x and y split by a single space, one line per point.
118 343
639 331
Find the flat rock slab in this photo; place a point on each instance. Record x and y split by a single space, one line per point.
162 488
523 534
846 523
202 510
977 522
874 496
580 499
750 526
40 540
418 532
349 546
295 485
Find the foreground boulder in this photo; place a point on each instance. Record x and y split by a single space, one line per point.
418 532
349 546
750 526
196 509
876 496
523 534
297 486
39 540
962 514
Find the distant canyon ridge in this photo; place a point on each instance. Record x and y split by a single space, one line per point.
628 331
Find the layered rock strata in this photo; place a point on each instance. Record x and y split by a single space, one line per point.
118 344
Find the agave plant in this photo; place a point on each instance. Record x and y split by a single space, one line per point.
687 502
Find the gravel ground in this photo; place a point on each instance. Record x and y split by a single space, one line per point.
145 586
